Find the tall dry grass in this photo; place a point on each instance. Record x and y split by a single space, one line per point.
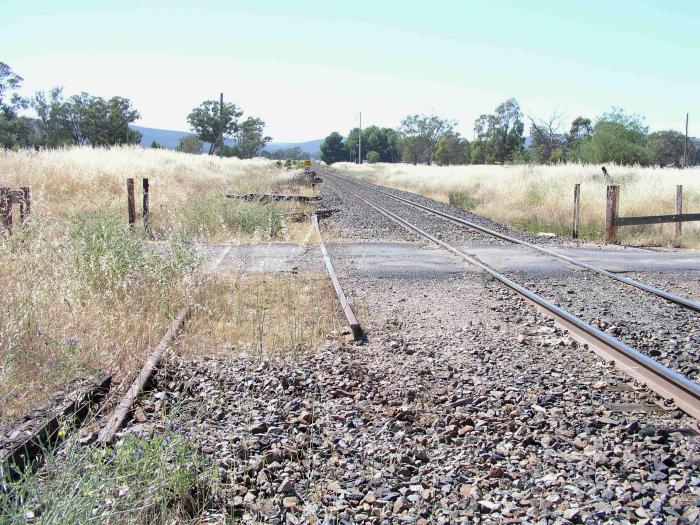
78 291
540 198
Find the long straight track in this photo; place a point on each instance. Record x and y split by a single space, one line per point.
662 380
669 296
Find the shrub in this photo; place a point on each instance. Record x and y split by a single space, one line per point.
156 479
463 199
208 215
373 157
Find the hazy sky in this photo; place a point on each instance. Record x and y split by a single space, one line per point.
308 67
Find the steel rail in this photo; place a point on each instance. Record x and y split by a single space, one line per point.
358 333
680 300
662 380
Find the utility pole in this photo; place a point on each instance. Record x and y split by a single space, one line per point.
685 144
359 144
221 119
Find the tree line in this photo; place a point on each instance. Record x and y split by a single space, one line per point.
85 119
499 138
77 120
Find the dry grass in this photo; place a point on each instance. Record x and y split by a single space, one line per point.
540 198
79 292
187 191
261 314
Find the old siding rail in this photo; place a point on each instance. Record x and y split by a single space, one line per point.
109 431
271 197
115 422
357 331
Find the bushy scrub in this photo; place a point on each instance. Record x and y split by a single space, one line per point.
154 479
107 254
462 199
213 215
81 294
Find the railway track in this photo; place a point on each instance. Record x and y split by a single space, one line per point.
661 379
669 296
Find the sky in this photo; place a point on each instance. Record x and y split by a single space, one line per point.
309 67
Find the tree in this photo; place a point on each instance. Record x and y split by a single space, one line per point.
667 148
421 134
581 128
206 121
452 149
15 131
250 138
333 149
190 144
547 140
499 136
84 119
155 145
10 82
384 141
617 137
373 157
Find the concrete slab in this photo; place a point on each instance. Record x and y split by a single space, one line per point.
519 259
394 258
262 257
390 258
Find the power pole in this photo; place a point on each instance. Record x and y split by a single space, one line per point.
359 144
685 144
221 119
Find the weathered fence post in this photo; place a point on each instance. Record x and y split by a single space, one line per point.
145 203
6 208
131 203
577 209
611 214
25 203
679 211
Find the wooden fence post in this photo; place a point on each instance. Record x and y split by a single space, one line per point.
131 204
577 209
145 203
6 208
611 214
25 204
679 210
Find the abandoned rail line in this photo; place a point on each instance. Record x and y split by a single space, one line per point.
661 379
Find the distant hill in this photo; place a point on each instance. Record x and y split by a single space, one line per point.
312 147
169 139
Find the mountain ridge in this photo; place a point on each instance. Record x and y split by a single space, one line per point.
169 139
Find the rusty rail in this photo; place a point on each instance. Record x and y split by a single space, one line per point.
357 331
662 380
109 431
115 422
271 197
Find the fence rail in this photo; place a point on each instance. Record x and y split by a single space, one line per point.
613 220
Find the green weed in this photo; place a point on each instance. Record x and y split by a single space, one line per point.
463 199
155 479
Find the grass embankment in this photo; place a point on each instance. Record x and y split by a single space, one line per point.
540 198
79 292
